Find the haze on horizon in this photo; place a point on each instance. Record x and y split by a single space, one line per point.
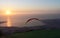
30 5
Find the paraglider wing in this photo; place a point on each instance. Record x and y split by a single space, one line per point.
32 19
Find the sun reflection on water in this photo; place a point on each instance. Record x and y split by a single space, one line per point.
9 22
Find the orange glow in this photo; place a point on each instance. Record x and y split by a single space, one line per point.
8 22
8 12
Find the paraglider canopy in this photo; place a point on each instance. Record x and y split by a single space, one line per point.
31 20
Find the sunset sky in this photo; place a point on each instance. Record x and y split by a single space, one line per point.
10 8
29 5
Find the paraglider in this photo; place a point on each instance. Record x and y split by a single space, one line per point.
31 20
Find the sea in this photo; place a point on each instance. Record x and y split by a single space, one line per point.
19 20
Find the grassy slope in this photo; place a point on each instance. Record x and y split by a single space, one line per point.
38 34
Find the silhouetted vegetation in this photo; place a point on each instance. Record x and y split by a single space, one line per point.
1 34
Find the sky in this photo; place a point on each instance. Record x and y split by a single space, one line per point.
24 5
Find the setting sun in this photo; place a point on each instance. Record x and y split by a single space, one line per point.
8 12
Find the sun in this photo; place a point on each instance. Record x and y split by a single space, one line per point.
8 12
